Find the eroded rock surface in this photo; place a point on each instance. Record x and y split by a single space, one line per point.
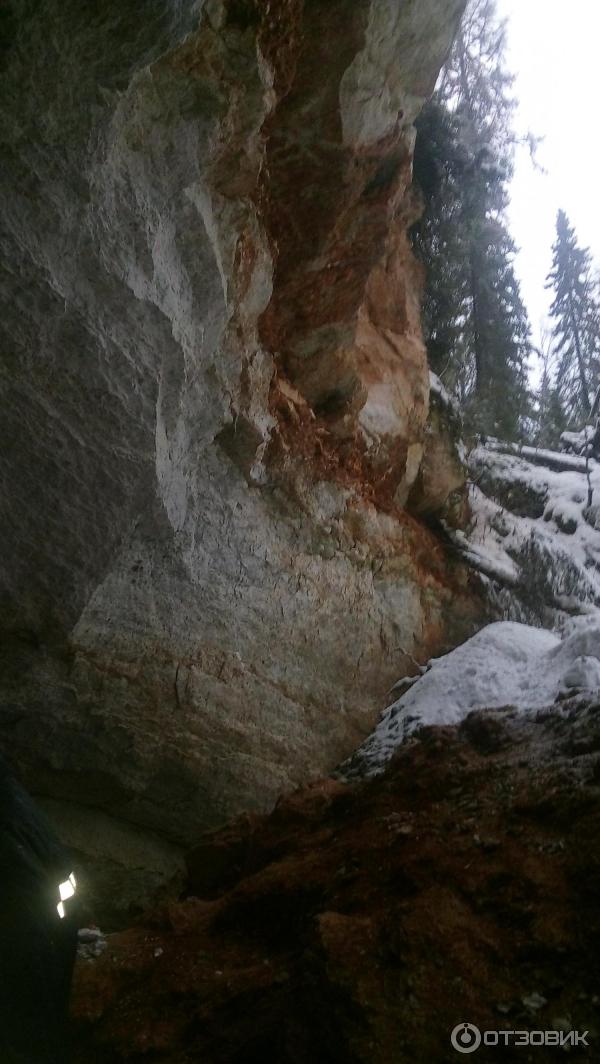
214 393
441 485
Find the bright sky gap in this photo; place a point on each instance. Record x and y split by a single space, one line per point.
553 53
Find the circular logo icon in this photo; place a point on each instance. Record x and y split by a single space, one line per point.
466 1038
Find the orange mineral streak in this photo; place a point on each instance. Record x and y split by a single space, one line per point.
343 321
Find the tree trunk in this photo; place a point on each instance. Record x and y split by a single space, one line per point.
477 337
580 363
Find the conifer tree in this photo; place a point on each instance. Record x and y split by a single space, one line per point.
550 418
575 312
440 163
475 321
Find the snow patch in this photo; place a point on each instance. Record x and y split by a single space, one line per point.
441 393
579 442
505 664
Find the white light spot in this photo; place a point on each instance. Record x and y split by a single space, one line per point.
60 910
73 881
66 890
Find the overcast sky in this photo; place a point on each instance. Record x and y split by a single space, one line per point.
554 53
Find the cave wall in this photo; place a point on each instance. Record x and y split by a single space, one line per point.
215 395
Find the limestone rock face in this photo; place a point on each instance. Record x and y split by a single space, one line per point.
214 397
441 484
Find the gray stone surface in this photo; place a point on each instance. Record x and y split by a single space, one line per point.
188 630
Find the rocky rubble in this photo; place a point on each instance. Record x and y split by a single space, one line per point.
91 943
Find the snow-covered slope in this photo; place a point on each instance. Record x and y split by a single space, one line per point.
534 537
505 665
533 531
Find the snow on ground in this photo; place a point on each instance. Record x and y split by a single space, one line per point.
532 530
538 455
505 664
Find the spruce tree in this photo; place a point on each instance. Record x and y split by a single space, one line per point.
575 313
550 417
475 321
440 163
500 400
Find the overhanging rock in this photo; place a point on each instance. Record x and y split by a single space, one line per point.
215 392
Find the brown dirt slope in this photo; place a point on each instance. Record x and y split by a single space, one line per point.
362 923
